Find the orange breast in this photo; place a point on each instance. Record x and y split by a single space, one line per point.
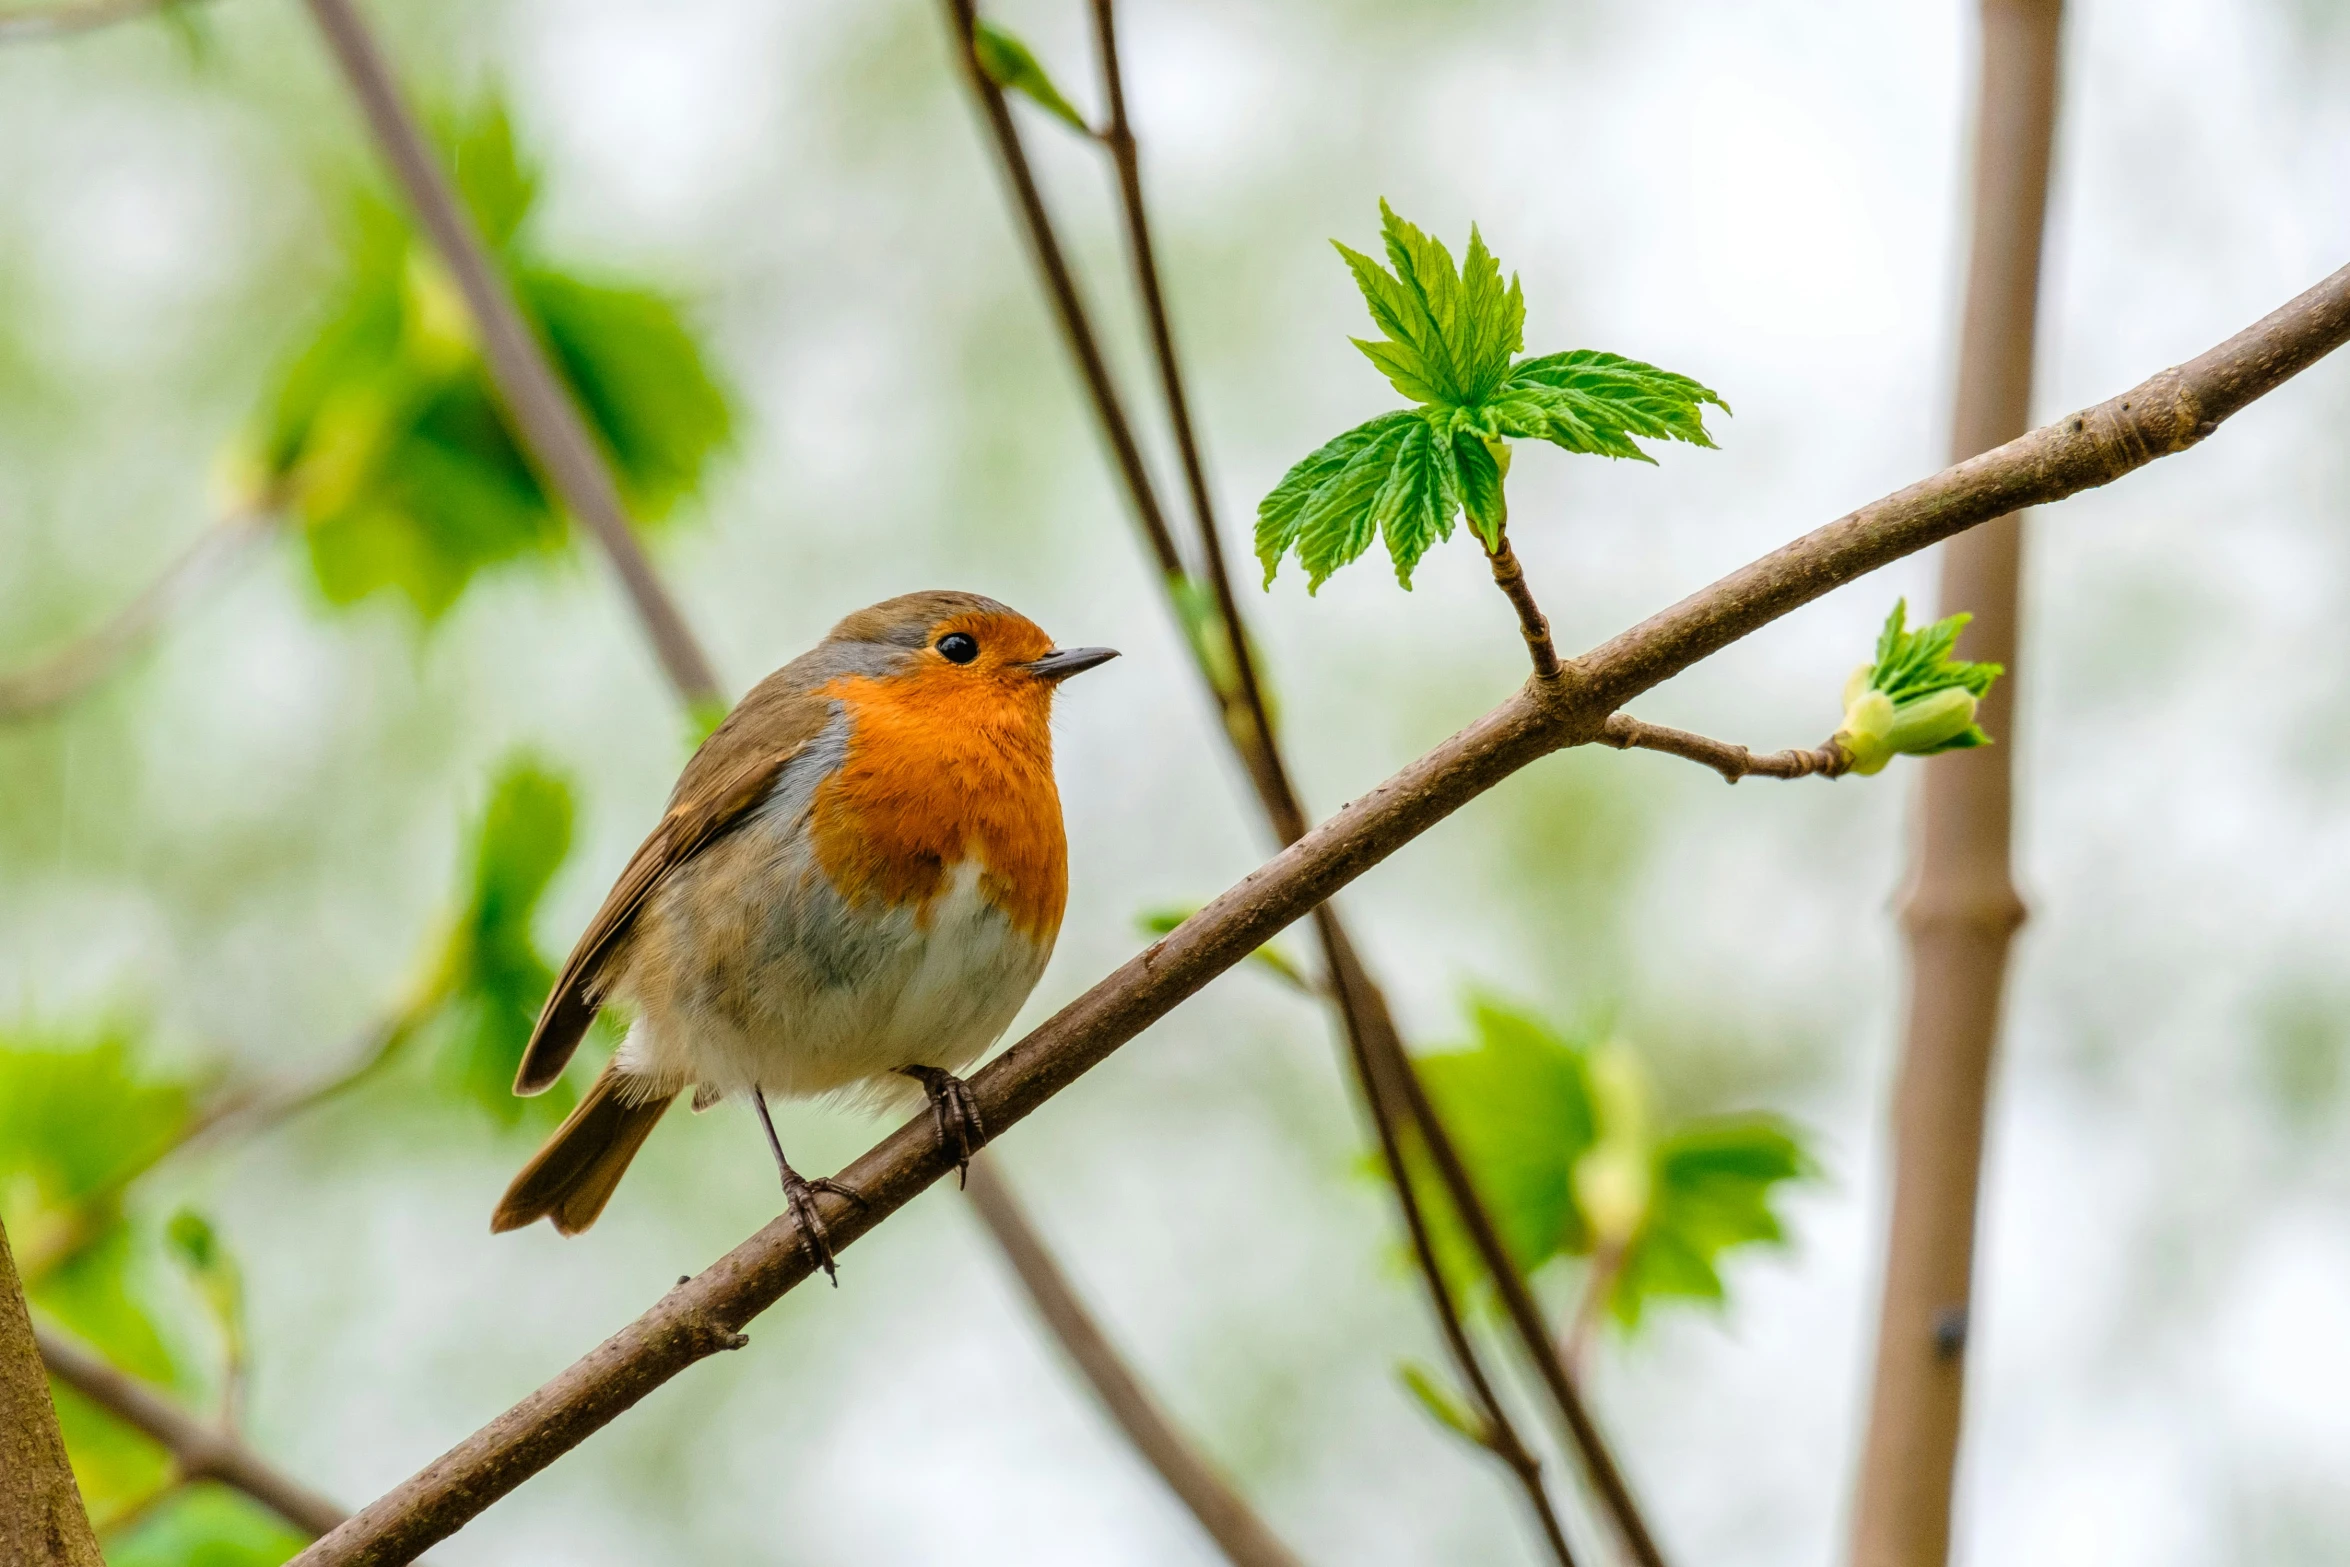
944 765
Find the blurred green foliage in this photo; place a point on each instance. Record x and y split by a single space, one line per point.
1013 66
387 437
1561 1139
205 1526
493 977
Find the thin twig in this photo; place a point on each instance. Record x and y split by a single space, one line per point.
703 1316
91 657
199 1450
1369 1028
1733 762
1222 1511
36 23
546 415
1375 1074
1510 577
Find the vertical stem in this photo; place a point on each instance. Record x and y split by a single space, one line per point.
42 1521
545 413
1533 625
1962 909
1220 1510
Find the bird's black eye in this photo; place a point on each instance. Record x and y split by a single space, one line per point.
958 647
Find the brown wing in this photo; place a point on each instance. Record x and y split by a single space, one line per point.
732 772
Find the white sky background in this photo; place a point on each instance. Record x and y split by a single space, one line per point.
1765 198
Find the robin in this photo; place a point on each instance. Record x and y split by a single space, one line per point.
857 882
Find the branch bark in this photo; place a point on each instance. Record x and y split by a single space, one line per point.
702 1316
81 664
199 1450
1962 910
1733 762
546 415
1220 1510
42 1521
1375 1046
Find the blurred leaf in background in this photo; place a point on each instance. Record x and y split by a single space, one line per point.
81 1117
387 438
495 978
1562 1139
1013 66
205 1526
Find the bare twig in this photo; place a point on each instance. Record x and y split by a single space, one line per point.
703 1316
1223 1512
35 23
545 414
42 1520
198 1449
90 658
1733 762
1510 577
1362 1007
1962 909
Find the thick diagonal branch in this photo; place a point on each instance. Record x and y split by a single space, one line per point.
199 1451
2166 414
546 415
42 1521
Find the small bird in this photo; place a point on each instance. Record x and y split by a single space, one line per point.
858 880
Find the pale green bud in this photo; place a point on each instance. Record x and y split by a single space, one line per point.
1867 731
1615 1180
1858 683
1931 720
438 322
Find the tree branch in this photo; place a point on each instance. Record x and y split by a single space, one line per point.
701 1317
42 1520
546 415
1733 762
1961 911
1223 1512
1510 577
199 1450
91 657
1362 1007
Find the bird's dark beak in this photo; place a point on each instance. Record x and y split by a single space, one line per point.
1062 662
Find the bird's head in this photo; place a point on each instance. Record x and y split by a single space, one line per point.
964 644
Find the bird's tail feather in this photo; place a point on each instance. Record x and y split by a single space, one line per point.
572 1177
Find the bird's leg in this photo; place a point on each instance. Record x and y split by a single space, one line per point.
955 1112
799 1193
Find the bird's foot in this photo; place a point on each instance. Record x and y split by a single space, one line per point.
955 1112
799 1195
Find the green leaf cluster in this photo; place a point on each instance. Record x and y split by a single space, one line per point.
1013 66
1537 1114
1913 698
1450 337
495 977
387 438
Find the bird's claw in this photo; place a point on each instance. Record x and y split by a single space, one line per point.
955 1112
799 1194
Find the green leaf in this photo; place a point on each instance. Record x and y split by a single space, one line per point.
1715 1182
1446 1409
1415 507
389 441
206 1526
498 977
1587 401
1481 471
1913 699
1011 65
1450 331
1281 516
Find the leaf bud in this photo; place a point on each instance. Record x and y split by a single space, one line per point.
1867 732
1928 722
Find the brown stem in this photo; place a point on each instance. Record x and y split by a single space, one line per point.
1363 1012
1733 762
1962 909
702 1316
1369 1028
1510 577
90 658
1244 699
199 1450
77 16
1607 1260
42 1521
545 413
1068 305
1222 1511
